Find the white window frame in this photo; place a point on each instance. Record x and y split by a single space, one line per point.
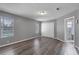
1 28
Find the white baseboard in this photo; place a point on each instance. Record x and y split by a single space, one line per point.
55 38
28 39
18 41
63 40
59 39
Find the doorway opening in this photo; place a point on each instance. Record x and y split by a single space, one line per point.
69 28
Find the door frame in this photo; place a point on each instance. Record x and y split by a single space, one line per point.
65 36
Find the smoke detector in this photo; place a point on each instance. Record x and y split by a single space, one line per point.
57 9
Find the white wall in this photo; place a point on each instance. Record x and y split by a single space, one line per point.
48 29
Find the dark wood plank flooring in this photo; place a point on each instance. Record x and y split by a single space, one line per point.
38 46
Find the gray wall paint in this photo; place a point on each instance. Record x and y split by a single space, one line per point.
77 30
23 28
60 29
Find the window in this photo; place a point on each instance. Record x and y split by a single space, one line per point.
7 26
69 24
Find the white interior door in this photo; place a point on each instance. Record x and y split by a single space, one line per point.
48 29
69 29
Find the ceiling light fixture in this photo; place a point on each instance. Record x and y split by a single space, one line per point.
42 13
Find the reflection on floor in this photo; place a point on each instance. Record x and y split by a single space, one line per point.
40 46
68 49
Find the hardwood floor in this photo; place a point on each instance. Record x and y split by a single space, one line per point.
38 46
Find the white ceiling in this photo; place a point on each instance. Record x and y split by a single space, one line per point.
31 10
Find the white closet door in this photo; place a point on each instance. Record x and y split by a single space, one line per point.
48 29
